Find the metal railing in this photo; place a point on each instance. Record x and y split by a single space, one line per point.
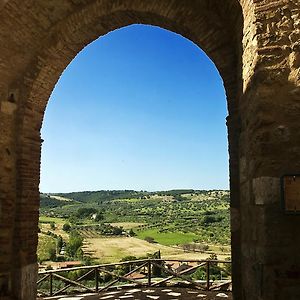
199 274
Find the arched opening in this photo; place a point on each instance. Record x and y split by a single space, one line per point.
220 42
153 120
154 81
254 45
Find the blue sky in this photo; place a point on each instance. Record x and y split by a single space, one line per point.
140 108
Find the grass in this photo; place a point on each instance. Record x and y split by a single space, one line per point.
52 219
167 238
112 249
45 243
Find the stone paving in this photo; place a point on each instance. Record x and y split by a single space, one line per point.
151 294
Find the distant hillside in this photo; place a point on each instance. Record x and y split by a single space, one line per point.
95 197
104 195
107 195
52 201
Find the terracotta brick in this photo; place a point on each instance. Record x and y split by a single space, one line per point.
255 46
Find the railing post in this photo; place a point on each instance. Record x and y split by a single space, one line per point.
96 279
51 284
149 272
207 276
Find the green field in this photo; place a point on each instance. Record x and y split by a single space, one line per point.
167 238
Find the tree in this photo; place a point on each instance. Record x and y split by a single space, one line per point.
117 230
199 274
99 217
52 253
208 219
73 248
85 212
227 266
59 244
123 269
52 225
66 227
214 269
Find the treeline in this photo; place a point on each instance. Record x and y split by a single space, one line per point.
105 195
47 202
108 195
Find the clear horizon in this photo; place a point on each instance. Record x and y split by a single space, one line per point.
141 108
67 192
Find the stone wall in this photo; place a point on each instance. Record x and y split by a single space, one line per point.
269 148
255 46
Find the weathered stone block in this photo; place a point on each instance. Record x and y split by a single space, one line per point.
8 107
266 190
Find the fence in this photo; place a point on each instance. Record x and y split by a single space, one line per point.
199 274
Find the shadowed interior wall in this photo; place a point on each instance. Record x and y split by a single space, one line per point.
255 46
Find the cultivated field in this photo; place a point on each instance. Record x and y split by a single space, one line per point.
45 219
112 249
45 226
171 221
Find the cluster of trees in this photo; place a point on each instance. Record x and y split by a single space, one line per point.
211 219
176 193
74 245
102 196
85 213
52 249
47 202
89 212
103 229
195 247
73 248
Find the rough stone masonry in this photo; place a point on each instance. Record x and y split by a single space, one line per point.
255 47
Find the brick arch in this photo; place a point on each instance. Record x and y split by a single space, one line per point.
254 45
202 23
219 42
49 37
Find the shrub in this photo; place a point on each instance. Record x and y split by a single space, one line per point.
66 227
52 253
150 239
131 232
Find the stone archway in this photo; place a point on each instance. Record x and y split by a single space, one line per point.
254 45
